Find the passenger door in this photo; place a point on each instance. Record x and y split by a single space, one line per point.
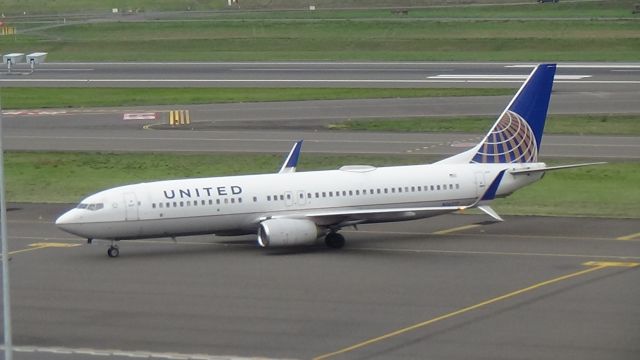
130 206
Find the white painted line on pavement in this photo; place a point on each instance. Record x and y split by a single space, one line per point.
129 354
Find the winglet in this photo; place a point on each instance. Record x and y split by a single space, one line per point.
291 161
489 211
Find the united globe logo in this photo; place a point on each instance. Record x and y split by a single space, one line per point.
510 141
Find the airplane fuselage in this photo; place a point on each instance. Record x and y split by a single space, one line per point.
236 205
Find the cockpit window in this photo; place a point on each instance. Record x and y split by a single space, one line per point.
92 207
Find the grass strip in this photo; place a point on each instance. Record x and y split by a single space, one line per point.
34 98
609 190
498 39
562 9
556 124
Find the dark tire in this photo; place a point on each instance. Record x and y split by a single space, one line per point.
334 240
113 252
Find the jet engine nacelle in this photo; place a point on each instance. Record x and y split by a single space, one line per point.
287 232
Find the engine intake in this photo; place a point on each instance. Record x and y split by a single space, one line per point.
287 232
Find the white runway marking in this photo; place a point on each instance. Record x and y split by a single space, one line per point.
129 354
139 116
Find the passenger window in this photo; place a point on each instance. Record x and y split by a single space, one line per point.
175 204
181 203
168 205
188 203
324 194
330 193
386 191
288 196
357 192
233 200
210 202
226 201
217 201
239 200
268 197
282 197
399 189
255 199
153 206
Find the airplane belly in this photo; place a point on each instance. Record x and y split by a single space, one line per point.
184 226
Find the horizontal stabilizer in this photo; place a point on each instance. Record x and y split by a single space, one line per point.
549 168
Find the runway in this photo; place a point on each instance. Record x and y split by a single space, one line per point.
570 76
450 287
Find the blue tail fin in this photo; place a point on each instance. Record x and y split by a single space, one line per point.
516 135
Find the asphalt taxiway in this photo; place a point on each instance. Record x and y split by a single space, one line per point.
450 287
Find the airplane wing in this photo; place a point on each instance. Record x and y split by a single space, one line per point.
291 161
354 216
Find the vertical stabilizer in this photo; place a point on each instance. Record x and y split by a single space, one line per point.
516 136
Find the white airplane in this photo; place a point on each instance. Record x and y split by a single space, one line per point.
301 208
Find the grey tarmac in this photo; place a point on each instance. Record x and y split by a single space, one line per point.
218 296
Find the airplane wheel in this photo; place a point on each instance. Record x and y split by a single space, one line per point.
334 240
113 252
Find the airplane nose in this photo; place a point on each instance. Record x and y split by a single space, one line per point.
65 218
69 221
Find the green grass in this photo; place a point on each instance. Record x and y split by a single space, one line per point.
33 98
556 124
617 8
606 190
232 39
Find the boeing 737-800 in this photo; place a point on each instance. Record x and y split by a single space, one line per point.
300 208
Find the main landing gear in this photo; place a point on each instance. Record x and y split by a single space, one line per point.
334 240
113 251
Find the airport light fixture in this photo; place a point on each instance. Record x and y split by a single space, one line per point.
6 298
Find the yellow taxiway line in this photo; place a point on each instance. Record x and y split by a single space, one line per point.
629 237
595 266
43 245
